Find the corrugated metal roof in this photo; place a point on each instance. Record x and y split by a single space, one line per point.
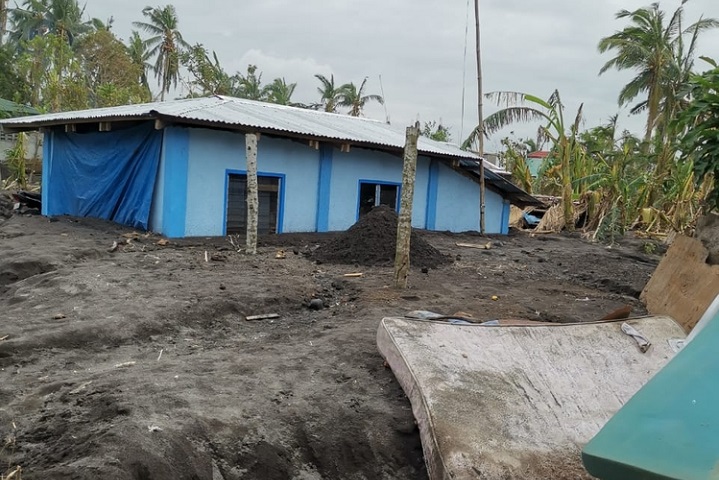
234 112
14 108
511 191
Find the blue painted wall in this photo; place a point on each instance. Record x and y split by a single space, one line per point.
320 188
212 153
458 204
349 167
176 184
47 150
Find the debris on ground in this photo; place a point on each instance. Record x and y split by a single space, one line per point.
373 241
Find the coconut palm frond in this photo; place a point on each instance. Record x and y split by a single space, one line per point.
510 115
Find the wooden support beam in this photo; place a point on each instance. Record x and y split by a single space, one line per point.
404 223
315 144
70 128
345 148
105 126
159 124
252 192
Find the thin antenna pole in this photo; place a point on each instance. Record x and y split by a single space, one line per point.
464 73
480 126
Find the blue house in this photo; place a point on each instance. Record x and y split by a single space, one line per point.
178 168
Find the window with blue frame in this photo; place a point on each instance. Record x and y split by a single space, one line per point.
372 194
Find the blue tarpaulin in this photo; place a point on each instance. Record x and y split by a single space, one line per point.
109 175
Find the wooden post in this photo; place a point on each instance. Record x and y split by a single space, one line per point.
404 223
480 125
252 195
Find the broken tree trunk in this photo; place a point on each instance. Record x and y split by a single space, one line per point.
404 223
252 195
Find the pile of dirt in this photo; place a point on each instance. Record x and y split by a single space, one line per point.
7 206
373 241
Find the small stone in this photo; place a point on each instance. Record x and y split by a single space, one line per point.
222 287
316 304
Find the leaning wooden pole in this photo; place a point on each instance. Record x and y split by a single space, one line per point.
480 125
404 224
252 195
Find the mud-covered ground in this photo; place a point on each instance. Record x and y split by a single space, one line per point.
139 363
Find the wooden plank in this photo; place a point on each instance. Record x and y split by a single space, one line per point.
267 316
683 285
483 246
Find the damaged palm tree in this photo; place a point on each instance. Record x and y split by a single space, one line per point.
551 113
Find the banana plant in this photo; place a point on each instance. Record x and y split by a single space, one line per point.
524 108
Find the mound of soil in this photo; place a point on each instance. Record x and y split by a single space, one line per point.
6 206
373 241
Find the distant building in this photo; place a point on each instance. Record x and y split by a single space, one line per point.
535 160
178 168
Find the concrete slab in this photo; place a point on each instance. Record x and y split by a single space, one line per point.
511 402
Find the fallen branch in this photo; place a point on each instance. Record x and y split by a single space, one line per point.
354 275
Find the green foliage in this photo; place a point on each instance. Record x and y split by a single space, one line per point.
36 18
56 80
208 76
280 92
436 131
355 98
249 85
330 94
15 158
700 120
514 156
110 73
12 86
656 50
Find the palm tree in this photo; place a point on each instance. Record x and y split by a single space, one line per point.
649 46
330 95
140 56
551 114
3 19
39 17
280 92
355 99
250 86
165 42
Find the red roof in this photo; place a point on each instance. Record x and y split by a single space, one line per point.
540 154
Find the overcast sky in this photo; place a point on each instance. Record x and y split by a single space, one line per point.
417 47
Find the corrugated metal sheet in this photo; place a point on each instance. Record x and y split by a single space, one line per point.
235 112
511 191
13 108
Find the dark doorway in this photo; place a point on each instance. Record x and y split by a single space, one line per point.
268 192
374 194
